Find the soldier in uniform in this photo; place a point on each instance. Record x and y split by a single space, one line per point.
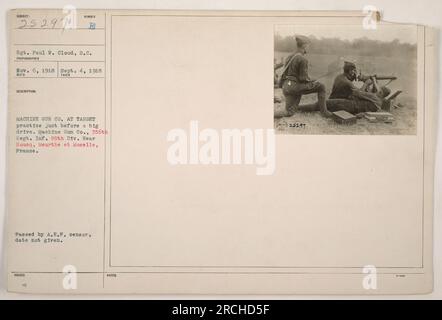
296 82
368 98
343 86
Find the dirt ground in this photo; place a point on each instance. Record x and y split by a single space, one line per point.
314 123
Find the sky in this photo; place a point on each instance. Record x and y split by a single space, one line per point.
404 33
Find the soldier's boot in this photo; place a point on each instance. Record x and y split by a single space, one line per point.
291 104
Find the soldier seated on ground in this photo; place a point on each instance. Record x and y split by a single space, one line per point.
346 96
295 81
369 97
359 103
343 86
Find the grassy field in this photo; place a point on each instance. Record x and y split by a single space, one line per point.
314 123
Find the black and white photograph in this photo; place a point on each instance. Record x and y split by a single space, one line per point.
345 79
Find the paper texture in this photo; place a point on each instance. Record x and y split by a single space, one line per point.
150 152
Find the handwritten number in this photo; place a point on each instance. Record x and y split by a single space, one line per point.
24 24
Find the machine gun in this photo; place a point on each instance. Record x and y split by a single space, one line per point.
363 78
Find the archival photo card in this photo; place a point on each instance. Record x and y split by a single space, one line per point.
144 156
